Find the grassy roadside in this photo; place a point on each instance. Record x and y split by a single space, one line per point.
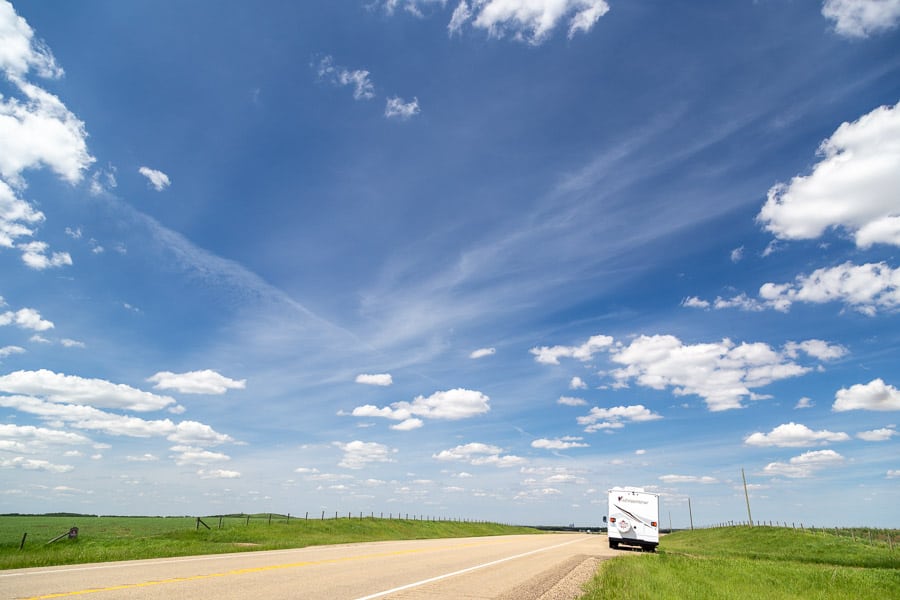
769 562
103 539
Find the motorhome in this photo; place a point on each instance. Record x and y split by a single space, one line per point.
633 518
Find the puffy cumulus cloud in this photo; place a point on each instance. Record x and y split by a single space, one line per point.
577 383
36 130
25 318
478 454
893 474
563 443
32 464
817 349
805 465
99 393
854 186
550 355
616 417
93 419
527 20
10 350
862 18
382 379
804 403
866 288
451 405
571 401
358 455
27 438
196 382
192 432
878 435
191 455
794 435
396 108
218 474
875 395
482 352
363 88
34 255
157 179
688 479
722 373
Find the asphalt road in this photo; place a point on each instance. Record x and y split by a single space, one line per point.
502 568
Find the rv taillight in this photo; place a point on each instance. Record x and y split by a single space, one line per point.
652 523
612 519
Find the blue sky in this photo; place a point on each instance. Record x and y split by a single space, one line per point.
480 259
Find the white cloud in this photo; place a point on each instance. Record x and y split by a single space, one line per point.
478 454
24 437
563 443
218 474
577 383
805 465
34 255
615 417
31 464
893 474
157 179
363 88
408 425
482 352
25 318
804 403
875 395
396 108
688 479
382 379
866 288
527 20
862 18
60 388
550 355
10 350
196 382
358 455
191 455
818 349
853 187
722 373
570 401
794 435
695 302
93 419
69 343
450 405
737 254
878 435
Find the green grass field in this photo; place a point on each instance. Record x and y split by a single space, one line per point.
760 562
103 539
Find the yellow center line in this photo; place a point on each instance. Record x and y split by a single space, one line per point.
296 565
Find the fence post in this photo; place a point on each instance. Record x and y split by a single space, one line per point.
25 535
323 515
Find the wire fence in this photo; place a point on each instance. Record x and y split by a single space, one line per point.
221 521
869 535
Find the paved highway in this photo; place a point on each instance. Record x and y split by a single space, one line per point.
505 567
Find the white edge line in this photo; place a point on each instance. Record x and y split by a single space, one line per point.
460 572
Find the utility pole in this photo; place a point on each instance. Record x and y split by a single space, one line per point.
690 514
747 497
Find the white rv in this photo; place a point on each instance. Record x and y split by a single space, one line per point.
633 518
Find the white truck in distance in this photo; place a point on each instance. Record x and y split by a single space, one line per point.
633 518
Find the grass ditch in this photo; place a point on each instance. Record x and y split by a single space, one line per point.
102 539
743 562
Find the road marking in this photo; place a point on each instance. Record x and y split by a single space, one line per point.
461 571
130 586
